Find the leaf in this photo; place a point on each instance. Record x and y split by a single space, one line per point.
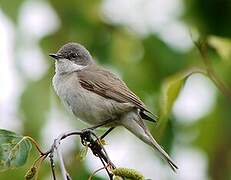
14 150
171 89
222 46
83 153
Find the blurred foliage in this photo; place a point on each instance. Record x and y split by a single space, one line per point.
222 46
35 108
171 89
150 68
210 17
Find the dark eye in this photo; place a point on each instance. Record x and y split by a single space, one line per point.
72 55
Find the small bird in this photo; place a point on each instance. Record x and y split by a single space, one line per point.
100 98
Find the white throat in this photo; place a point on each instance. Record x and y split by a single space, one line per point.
66 66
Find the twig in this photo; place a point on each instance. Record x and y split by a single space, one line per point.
87 140
104 153
106 133
39 165
52 164
203 49
60 157
94 173
34 142
106 168
98 150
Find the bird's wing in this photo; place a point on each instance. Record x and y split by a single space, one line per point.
106 84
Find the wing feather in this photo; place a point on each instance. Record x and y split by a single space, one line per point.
106 84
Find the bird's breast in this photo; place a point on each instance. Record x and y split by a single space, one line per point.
86 105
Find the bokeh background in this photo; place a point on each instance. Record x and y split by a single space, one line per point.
145 42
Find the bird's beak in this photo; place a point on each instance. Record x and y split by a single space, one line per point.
55 56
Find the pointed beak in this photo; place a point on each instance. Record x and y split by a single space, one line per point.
55 56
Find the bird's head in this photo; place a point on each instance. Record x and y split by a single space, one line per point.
71 57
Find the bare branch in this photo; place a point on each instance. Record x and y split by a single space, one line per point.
88 138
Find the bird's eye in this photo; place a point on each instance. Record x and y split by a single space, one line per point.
72 55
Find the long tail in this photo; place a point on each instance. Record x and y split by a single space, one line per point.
135 124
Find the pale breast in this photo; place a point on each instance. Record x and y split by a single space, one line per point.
86 105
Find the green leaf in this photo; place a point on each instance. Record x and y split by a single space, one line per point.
171 89
14 150
222 46
83 153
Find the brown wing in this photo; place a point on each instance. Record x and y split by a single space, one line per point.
108 85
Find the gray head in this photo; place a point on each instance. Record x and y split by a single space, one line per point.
72 57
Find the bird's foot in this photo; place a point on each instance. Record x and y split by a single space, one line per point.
88 130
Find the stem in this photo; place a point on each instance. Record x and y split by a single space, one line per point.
35 143
39 165
52 164
109 174
203 49
88 138
62 166
94 173
60 157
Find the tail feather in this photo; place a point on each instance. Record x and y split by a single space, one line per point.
152 142
173 166
148 117
133 122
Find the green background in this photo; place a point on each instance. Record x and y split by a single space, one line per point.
145 63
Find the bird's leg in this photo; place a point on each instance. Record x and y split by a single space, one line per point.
91 129
106 133
99 125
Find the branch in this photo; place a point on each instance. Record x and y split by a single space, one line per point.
203 49
88 138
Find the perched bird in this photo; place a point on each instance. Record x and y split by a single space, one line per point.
100 98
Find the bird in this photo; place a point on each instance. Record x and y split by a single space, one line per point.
100 98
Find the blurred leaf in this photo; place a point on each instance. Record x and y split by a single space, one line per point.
83 153
14 150
222 46
210 17
171 89
167 138
34 105
11 8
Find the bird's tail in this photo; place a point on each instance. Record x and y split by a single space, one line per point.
135 124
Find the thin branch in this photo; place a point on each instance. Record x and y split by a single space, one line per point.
52 164
35 143
39 165
94 173
106 168
60 157
203 49
87 140
106 133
